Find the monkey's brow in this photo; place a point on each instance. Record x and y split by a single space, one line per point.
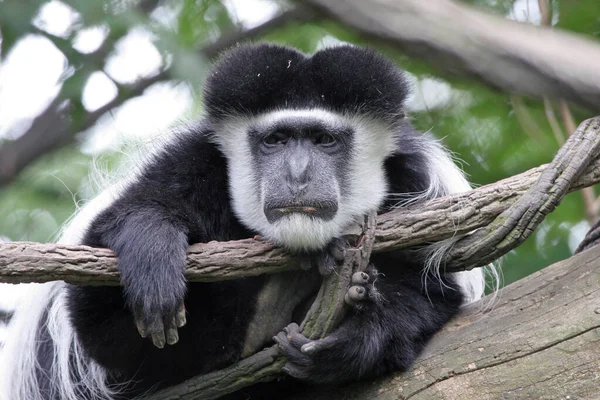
302 123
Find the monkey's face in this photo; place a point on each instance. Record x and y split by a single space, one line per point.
299 177
305 136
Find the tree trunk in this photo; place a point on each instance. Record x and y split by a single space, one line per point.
541 340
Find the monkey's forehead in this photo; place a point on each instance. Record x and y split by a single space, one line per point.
253 79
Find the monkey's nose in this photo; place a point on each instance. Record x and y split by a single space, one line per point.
297 188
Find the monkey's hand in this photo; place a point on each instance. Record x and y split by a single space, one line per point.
152 260
160 324
327 259
339 356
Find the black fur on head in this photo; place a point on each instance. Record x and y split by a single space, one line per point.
252 79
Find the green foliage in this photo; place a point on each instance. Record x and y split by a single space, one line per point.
581 16
34 206
494 134
200 20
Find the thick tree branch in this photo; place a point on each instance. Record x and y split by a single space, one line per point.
515 57
432 221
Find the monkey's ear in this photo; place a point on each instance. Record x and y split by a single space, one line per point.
251 78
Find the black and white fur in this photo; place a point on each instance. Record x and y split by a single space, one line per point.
226 179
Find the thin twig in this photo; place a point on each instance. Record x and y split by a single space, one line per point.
553 121
527 122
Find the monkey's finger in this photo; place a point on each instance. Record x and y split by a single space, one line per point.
141 328
172 334
318 345
337 248
157 333
297 339
293 335
325 263
259 238
281 340
140 323
180 320
291 328
354 295
360 278
158 339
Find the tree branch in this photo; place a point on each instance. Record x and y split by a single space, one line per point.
515 57
513 226
432 221
539 341
323 317
52 129
298 14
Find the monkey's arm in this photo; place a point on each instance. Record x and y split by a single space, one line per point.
177 198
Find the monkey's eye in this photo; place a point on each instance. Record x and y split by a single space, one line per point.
324 139
275 139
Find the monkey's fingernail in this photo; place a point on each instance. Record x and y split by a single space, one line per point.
360 278
354 295
308 348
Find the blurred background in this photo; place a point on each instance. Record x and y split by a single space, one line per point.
82 82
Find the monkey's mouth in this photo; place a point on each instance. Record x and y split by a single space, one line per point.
295 209
323 211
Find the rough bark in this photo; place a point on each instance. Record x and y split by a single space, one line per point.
512 227
540 340
458 39
436 220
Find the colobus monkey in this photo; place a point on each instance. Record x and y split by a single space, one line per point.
293 147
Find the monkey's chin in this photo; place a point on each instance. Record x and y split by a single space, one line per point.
301 232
